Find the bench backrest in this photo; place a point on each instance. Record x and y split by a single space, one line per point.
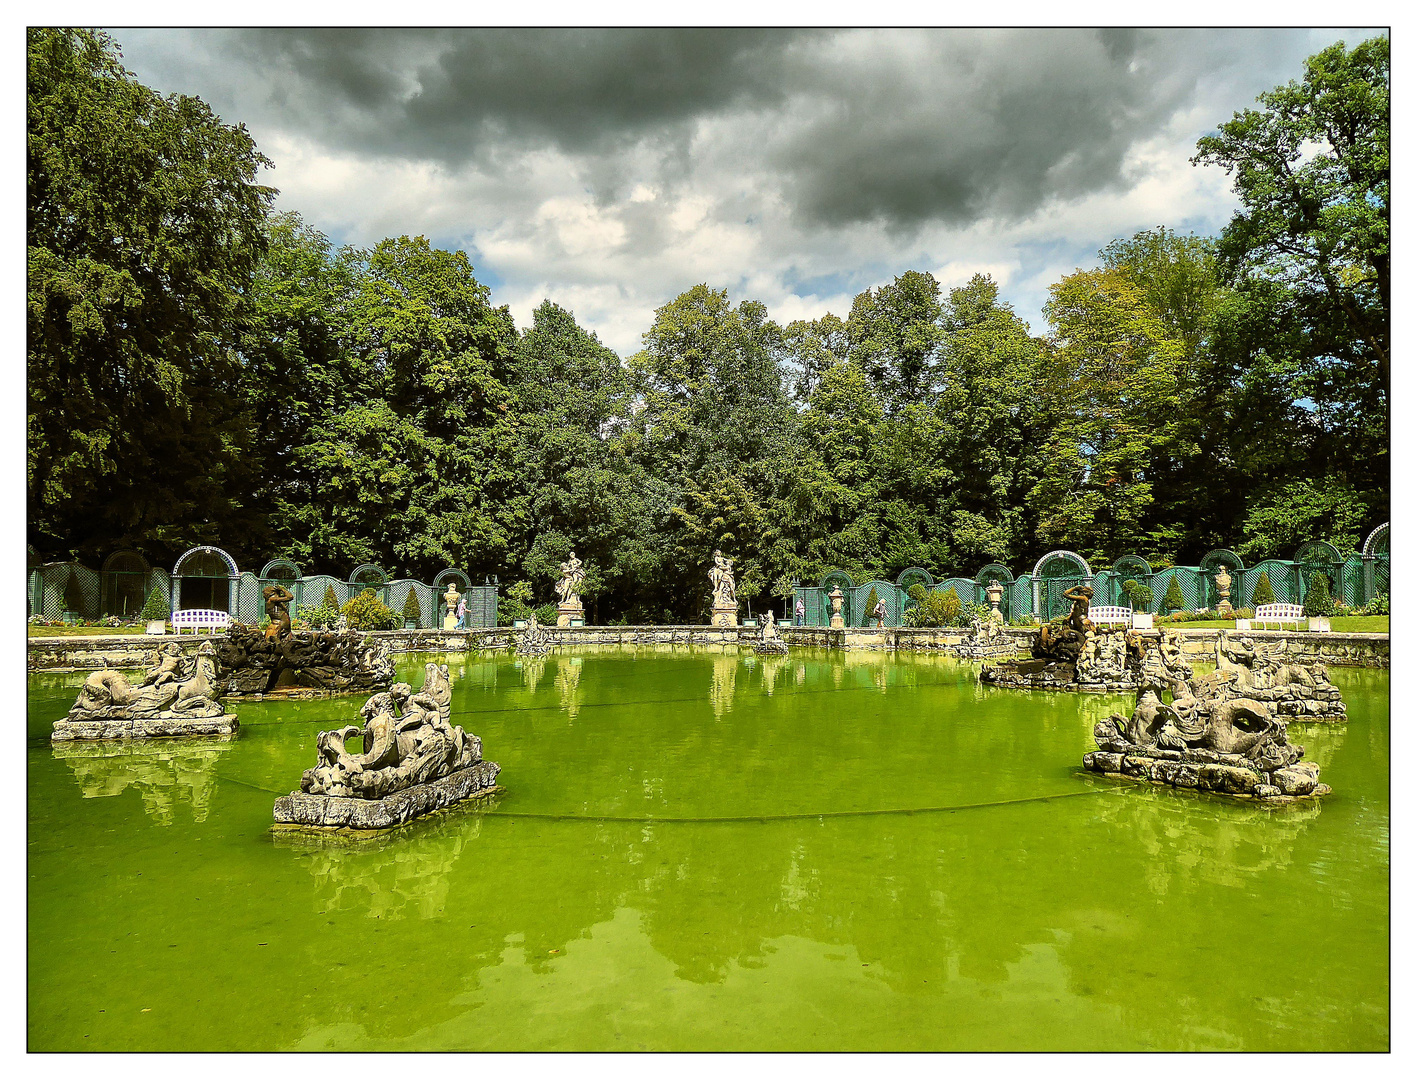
1276 612
1108 613
200 617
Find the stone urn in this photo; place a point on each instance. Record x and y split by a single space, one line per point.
994 593
837 622
451 598
1222 586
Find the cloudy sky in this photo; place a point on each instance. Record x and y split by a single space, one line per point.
611 169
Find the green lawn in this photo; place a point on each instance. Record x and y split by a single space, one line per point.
1344 624
83 631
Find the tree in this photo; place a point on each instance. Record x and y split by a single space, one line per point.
895 337
156 606
144 226
1311 168
1318 600
1173 601
1113 386
1264 591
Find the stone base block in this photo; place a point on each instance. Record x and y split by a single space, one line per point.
1051 675
566 612
1205 770
725 616
156 727
838 622
338 812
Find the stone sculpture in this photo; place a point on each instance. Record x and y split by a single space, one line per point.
835 596
302 663
278 600
1293 690
412 761
451 597
725 591
769 642
533 640
177 697
1208 740
1073 653
994 593
568 590
986 640
1222 585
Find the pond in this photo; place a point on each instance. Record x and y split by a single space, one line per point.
705 850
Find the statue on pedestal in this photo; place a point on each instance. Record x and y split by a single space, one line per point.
837 622
994 592
568 592
725 591
451 597
278 599
1222 586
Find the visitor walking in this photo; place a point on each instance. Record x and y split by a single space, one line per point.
462 613
879 613
800 611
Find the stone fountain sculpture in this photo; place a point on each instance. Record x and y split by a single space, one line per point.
533 640
1072 653
987 640
302 663
1210 738
412 761
725 591
770 641
1292 690
178 697
568 590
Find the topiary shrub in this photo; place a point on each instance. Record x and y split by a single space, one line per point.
412 609
1264 592
871 601
1140 595
515 605
1318 601
331 601
323 617
156 606
73 594
367 612
1174 601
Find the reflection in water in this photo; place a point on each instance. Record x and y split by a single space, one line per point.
723 688
568 681
399 874
166 772
532 669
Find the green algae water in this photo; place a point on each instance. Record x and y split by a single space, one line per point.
698 850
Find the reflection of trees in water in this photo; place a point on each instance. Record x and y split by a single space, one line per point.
165 772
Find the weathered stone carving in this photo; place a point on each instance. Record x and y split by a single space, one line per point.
451 597
986 640
1073 653
278 600
177 697
835 596
1294 690
725 591
412 761
1222 585
994 593
1208 739
568 590
769 641
533 640
303 662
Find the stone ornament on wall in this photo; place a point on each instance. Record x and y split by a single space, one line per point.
835 596
180 696
769 640
412 761
451 598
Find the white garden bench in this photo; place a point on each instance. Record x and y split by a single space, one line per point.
1278 614
1109 614
200 619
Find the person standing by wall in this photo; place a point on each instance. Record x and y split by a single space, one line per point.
800 611
879 613
462 613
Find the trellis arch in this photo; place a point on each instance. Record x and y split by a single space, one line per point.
836 577
914 575
126 561
1317 553
126 579
281 570
841 579
444 576
1132 566
1377 542
208 564
994 572
1213 560
1057 564
369 574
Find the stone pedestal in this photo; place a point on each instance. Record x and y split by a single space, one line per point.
566 612
837 622
450 621
339 812
162 726
725 615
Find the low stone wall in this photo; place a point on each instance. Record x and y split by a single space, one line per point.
130 652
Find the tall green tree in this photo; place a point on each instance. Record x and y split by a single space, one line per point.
895 336
144 225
